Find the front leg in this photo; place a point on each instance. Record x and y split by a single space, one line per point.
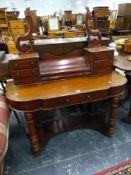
112 117
33 135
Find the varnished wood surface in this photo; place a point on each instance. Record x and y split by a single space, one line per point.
121 62
62 46
64 41
16 56
61 88
64 93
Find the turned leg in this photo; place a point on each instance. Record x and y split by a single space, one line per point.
112 117
33 135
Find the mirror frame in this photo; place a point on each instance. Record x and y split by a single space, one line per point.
56 25
77 16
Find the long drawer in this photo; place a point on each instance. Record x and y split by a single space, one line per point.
17 31
74 99
16 24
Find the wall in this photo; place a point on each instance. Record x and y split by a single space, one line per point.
48 7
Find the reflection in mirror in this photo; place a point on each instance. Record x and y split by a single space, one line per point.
79 19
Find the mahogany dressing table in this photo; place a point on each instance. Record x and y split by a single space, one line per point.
62 76
60 93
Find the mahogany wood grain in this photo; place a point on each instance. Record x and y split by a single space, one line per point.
63 88
63 46
27 69
61 93
32 132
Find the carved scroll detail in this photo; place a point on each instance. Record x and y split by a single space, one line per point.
90 32
27 37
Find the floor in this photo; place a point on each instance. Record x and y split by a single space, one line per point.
79 152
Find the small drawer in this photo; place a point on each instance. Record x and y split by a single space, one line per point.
102 63
16 24
29 80
70 35
54 35
2 15
17 31
103 70
25 73
80 33
24 64
12 48
104 55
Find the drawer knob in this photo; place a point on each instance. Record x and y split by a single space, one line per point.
17 74
34 71
88 96
67 100
32 63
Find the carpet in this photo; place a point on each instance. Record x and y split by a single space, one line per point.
120 169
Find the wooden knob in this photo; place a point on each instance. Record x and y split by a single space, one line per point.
88 96
67 100
32 63
34 71
17 74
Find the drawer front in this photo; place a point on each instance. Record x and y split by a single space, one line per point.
103 63
11 48
16 24
70 35
104 55
80 33
103 70
17 31
29 80
74 99
26 73
54 35
24 64
73 34
2 14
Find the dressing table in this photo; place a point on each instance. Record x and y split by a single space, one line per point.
60 75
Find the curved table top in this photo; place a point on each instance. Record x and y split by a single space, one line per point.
61 88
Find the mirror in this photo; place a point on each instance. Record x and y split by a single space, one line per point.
79 19
53 24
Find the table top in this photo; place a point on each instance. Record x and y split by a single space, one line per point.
121 62
61 88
